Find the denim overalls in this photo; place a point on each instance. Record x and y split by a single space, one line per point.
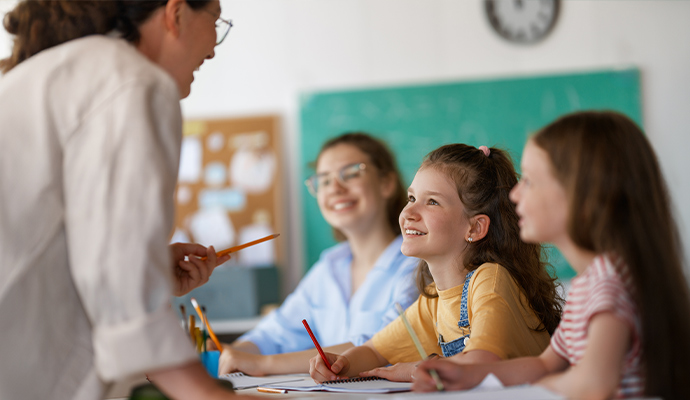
458 345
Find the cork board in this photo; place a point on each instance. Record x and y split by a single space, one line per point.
229 187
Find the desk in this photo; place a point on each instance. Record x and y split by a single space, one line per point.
515 392
228 330
523 392
233 326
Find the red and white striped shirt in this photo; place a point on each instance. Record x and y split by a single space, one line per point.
605 286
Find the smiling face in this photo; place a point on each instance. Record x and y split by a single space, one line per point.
433 223
191 41
359 204
542 202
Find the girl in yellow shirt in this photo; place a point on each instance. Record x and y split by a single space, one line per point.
486 295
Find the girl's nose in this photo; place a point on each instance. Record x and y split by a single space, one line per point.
409 212
334 186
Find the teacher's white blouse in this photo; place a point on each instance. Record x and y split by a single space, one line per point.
89 148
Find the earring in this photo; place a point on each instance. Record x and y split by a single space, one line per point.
469 239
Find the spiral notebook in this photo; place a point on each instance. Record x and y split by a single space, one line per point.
352 385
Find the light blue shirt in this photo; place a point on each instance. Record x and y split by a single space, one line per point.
324 298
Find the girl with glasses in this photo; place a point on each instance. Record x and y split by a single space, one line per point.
91 128
350 293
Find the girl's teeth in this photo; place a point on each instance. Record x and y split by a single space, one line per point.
340 206
413 232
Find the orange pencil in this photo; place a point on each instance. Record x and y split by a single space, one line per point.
208 327
270 390
242 246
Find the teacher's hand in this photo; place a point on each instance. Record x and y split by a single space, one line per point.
193 272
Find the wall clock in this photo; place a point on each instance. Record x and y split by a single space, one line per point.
522 21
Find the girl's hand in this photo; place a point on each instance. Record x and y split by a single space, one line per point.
193 272
232 360
453 376
320 372
400 372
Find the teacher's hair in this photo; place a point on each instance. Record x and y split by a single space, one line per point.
619 203
483 183
38 25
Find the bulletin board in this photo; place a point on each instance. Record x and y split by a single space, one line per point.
229 187
414 120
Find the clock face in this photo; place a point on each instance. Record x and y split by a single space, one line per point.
522 21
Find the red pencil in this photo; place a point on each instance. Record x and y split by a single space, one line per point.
316 344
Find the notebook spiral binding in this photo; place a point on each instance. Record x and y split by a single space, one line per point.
357 379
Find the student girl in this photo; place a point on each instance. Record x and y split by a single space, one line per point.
592 186
350 293
91 133
486 295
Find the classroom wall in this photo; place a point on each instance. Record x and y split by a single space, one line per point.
281 48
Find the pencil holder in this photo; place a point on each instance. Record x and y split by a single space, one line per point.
210 361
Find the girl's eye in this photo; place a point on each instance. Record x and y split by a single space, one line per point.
433 202
410 199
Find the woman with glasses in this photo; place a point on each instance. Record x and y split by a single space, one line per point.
91 132
350 293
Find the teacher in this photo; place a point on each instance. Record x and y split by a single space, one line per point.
90 131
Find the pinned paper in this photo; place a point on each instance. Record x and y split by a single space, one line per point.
193 128
190 160
215 142
252 170
180 236
261 254
184 194
228 199
212 227
215 174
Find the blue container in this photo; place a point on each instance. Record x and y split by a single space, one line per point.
210 361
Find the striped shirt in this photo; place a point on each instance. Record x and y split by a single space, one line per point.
605 286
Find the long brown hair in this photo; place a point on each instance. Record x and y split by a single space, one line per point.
384 162
619 203
483 185
38 25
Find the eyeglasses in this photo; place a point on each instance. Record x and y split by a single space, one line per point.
344 175
222 28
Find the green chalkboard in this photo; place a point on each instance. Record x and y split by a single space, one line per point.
414 120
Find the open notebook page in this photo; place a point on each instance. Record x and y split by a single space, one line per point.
353 385
241 381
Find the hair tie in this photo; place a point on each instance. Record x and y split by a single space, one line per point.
485 150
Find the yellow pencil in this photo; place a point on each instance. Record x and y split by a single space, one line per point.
208 326
418 344
242 246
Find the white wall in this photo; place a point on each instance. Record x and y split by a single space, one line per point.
280 48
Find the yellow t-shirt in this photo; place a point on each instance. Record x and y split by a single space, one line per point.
501 320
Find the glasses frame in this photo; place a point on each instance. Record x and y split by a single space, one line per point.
220 21
313 187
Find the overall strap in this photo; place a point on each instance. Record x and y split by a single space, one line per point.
464 318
